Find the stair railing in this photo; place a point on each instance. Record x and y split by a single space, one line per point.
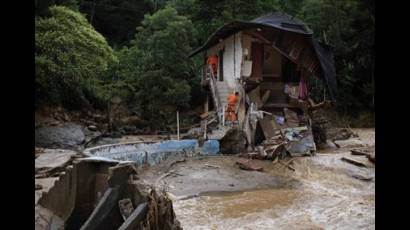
214 90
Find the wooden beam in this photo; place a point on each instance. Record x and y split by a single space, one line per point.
106 205
138 215
353 161
262 38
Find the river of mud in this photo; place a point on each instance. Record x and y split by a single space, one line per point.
325 193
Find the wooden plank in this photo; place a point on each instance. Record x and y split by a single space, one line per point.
262 38
354 162
359 153
267 127
103 209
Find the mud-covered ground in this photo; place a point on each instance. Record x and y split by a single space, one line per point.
323 193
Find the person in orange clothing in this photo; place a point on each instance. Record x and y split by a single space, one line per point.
213 62
230 113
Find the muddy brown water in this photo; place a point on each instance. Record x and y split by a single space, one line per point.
327 196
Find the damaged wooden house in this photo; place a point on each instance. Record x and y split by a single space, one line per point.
267 63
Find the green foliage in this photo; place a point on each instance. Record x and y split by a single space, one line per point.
150 70
68 52
42 6
209 15
348 26
116 19
157 66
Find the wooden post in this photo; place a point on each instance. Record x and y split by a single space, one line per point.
223 115
206 105
177 124
205 129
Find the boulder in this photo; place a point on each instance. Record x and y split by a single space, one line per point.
233 142
66 136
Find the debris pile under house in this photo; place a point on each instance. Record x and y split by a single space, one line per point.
259 70
78 192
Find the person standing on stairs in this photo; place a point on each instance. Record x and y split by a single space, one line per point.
230 113
213 63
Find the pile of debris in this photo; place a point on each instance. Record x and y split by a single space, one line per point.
269 149
284 137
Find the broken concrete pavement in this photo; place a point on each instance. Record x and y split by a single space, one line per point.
74 193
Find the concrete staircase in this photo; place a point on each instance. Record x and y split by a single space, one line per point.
223 91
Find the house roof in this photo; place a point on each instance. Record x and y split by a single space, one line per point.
282 22
277 20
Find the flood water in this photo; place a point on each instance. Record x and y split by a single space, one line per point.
241 210
329 198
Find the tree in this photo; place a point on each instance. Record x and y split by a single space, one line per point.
348 26
68 53
116 19
42 6
157 60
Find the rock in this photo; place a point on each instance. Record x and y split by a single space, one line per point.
92 128
66 136
233 142
131 121
339 133
352 142
329 144
129 129
248 165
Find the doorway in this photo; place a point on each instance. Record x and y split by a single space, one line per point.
220 65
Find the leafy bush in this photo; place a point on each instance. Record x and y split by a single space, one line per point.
68 52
